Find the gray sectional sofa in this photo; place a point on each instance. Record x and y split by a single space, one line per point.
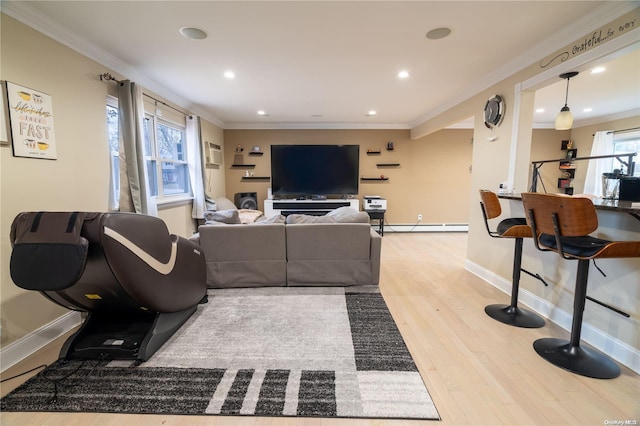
339 249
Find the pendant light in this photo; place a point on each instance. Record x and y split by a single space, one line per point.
564 119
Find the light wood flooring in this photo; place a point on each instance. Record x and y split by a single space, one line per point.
478 371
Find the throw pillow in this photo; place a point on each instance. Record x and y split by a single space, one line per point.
273 219
348 215
223 203
305 218
223 216
249 216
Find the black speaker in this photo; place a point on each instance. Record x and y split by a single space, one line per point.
246 200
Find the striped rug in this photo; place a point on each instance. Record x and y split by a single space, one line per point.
312 352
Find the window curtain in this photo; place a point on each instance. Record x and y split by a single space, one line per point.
135 194
602 145
196 171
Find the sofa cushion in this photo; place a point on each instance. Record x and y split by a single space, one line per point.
329 254
245 255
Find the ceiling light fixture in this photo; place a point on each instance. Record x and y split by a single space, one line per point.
438 33
229 75
403 74
564 119
261 112
371 113
193 33
598 70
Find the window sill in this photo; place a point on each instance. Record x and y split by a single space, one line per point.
170 202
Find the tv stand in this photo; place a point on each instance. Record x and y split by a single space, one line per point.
310 207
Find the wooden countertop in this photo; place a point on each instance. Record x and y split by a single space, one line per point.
633 208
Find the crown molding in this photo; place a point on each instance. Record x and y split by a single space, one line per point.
315 126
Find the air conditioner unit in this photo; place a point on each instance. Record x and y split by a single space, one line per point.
213 154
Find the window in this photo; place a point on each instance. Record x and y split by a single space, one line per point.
627 143
165 152
113 137
165 155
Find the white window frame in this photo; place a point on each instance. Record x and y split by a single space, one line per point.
161 199
156 159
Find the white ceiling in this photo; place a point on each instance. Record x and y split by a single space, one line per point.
327 63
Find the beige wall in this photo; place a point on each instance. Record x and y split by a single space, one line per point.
433 178
78 179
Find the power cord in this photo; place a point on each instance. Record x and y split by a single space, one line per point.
22 374
387 224
56 382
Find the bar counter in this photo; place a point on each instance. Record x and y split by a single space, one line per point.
632 208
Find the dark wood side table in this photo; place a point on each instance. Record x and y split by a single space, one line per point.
379 216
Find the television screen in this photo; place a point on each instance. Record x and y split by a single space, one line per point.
308 170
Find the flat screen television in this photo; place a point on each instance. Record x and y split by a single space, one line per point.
314 170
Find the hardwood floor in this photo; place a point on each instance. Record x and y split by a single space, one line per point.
478 371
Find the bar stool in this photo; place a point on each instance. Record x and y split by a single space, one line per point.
562 224
517 229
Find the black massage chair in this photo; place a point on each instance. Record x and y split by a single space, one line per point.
137 282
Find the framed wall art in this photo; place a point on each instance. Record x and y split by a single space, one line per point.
31 122
4 117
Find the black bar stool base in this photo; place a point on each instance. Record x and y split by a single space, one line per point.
512 315
576 359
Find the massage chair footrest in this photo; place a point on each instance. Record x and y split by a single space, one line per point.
123 335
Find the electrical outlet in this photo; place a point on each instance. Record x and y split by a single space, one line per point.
419 218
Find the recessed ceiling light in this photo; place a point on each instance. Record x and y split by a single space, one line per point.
193 33
229 75
403 74
598 70
371 113
261 112
539 110
438 33
587 110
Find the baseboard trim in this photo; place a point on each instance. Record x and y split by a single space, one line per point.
616 349
29 344
428 227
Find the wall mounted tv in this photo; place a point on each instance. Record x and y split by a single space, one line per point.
314 170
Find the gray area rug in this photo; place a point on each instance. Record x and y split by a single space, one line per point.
315 352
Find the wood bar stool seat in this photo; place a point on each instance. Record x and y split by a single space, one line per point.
517 229
562 224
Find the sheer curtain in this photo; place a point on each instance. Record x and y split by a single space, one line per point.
602 145
196 172
135 194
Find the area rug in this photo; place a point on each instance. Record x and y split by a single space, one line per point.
313 352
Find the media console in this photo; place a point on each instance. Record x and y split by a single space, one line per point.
310 207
